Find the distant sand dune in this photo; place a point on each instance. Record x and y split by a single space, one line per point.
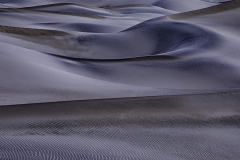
210 10
130 59
56 5
119 79
64 4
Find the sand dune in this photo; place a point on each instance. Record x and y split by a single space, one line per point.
126 79
165 127
211 10
71 8
131 9
183 5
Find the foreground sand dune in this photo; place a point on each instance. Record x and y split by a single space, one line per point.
126 79
202 126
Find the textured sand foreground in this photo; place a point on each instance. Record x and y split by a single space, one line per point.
126 79
202 126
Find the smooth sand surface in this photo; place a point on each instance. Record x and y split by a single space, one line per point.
126 79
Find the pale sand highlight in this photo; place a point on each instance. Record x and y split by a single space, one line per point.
156 79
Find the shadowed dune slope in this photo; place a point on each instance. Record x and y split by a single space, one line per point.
166 107
119 79
183 5
174 56
30 31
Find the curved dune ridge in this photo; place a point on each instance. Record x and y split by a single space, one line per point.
211 10
126 79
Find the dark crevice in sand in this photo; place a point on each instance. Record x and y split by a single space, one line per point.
30 31
127 6
52 12
130 59
72 14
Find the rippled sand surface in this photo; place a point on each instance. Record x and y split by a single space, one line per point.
126 79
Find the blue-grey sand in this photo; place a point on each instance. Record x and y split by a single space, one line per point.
125 79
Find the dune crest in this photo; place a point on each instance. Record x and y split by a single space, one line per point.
119 79
118 46
211 10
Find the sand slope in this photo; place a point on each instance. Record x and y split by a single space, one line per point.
112 45
156 79
168 127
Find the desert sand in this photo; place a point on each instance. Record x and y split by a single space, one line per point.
126 79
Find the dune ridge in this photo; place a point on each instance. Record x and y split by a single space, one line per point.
211 10
126 79
56 5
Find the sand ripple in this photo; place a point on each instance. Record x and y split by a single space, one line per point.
156 79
